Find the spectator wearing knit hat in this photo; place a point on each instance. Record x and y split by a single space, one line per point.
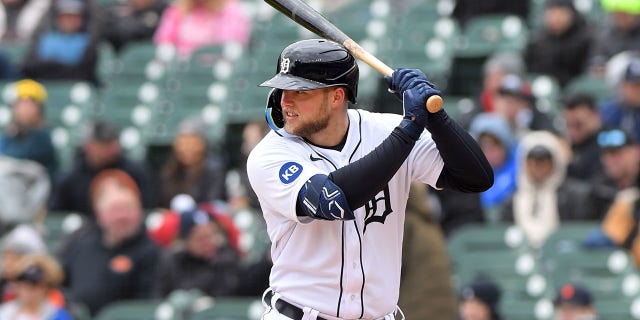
203 257
27 137
574 302
113 258
479 300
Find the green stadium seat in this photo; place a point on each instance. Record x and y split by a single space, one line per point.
603 270
231 309
620 309
57 225
597 87
15 51
499 251
484 35
137 310
353 19
68 102
547 91
525 309
106 61
140 62
458 107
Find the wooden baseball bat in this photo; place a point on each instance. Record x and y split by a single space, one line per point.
306 16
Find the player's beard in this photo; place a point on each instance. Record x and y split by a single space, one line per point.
312 126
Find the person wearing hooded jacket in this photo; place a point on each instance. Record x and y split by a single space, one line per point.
545 196
561 48
497 141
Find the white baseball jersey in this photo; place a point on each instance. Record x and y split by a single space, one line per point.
346 269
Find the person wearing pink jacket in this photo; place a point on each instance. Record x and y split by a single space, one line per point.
190 24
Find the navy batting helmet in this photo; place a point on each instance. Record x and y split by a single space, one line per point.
308 65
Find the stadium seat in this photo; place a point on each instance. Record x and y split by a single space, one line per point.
352 19
499 251
15 51
484 35
139 62
608 273
57 225
458 107
137 310
231 309
68 102
525 309
547 91
589 84
427 44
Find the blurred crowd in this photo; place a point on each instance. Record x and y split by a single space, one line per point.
146 232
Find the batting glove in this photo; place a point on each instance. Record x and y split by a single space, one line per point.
404 79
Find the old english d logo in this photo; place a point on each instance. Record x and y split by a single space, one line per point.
378 208
284 65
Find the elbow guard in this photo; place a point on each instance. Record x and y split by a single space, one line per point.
321 198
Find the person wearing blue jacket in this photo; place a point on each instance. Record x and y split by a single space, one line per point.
499 145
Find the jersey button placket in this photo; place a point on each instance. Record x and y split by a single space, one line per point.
353 275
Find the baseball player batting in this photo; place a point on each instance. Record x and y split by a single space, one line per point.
333 182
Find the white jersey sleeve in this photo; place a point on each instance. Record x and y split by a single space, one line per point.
279 171
426 162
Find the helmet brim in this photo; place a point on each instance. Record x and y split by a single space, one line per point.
285 81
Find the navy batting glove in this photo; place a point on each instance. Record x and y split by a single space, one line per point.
404 79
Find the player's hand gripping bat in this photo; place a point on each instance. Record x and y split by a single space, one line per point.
306 16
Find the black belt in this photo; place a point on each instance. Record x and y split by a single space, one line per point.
286 308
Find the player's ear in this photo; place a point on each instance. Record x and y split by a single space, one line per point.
339 95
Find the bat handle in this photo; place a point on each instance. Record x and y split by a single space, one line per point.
434 103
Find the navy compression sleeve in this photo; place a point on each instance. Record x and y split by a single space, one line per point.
466 168
376 168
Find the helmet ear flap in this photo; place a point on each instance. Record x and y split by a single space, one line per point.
273 112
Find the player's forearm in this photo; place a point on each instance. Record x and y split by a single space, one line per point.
375 169
466 168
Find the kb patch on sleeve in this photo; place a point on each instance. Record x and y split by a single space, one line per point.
289 172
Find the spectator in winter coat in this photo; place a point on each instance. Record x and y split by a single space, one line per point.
582 123
28 137
623 33
623 109
133 20
67 50
561 48
544 196
113 258
499 146
203 258
101 150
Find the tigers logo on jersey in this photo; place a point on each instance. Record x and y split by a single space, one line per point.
289 172
377 209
